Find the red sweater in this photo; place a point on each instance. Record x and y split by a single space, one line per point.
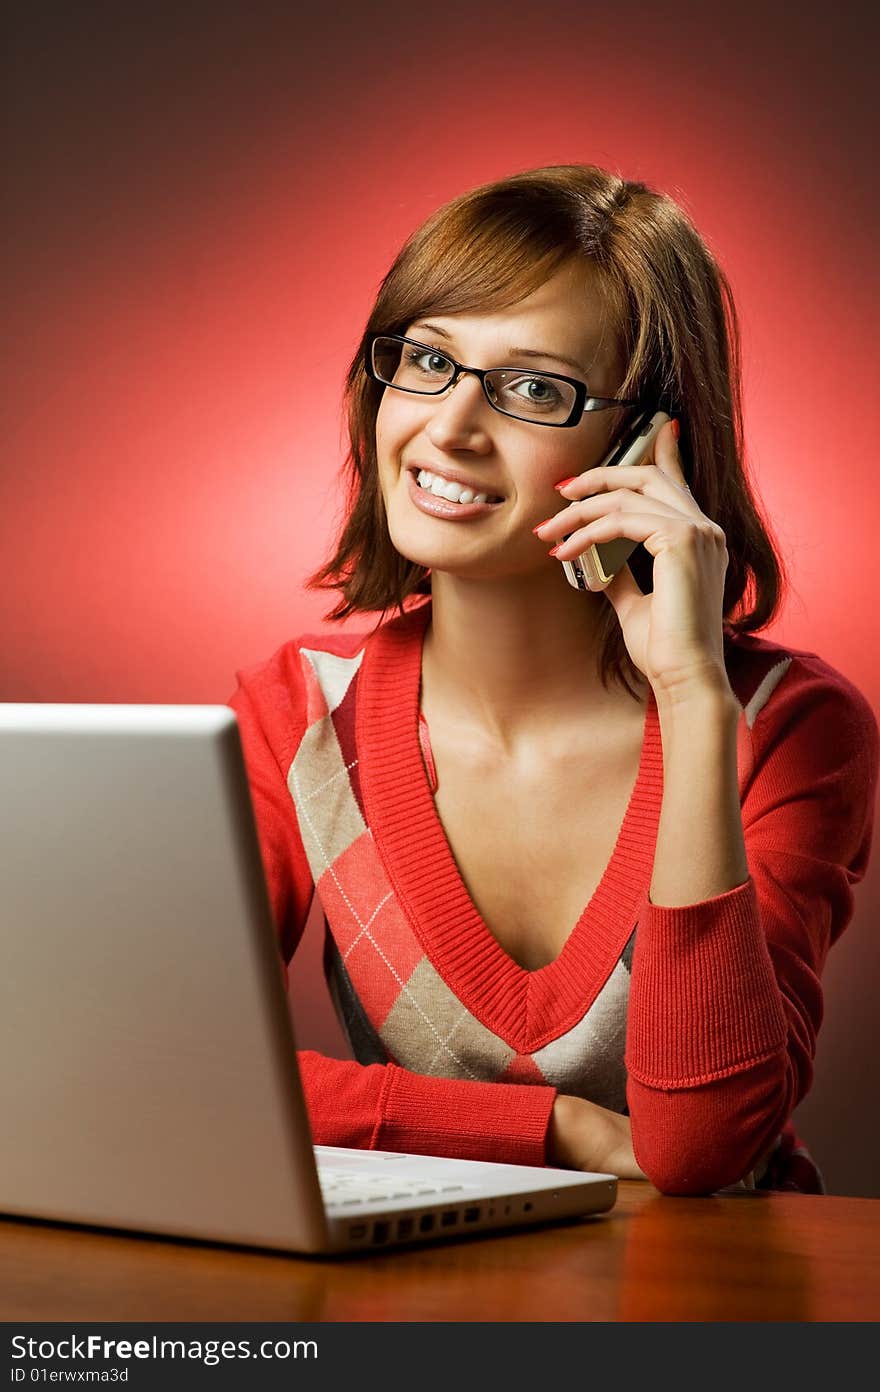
699 1021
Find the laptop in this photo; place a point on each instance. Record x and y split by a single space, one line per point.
148 1070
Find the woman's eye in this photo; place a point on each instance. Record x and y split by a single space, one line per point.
428 362
539 391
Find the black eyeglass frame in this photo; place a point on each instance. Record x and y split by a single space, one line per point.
583 401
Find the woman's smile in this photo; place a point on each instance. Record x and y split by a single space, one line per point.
447 500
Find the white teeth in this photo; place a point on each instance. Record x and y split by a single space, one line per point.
452 492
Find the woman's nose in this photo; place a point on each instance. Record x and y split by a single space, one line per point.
459 412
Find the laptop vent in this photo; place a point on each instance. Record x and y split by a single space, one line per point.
410 1228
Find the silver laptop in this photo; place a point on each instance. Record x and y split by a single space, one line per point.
148 1073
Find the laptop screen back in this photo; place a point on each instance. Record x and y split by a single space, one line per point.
147 1069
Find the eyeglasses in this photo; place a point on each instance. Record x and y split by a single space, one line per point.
544 398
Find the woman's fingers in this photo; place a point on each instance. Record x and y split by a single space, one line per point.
644 478
657 529
648 503
667 455
620 502
639 478
661 474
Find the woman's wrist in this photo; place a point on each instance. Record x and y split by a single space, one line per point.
558 1148
584 1136
710 691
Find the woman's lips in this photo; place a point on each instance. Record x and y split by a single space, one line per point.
442 507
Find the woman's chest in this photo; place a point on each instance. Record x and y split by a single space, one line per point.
532 843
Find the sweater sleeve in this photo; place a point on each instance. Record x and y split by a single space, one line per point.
726 1000
369 1106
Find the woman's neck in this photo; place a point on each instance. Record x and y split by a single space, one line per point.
514 659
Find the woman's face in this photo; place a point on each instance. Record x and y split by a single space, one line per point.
459 436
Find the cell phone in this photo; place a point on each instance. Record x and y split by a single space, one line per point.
597 566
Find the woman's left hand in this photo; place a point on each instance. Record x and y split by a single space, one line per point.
674 635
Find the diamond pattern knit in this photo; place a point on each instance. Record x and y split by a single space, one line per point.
461 1051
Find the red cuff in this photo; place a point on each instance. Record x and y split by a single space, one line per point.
504 1122
704 1002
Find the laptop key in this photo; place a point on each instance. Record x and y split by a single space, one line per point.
343 1187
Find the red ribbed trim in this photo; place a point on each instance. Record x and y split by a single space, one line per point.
527 1009
692 968
480 1121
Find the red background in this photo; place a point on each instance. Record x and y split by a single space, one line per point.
202 207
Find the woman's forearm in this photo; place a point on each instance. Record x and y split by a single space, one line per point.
700 851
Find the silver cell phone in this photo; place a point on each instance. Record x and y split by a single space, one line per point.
597 566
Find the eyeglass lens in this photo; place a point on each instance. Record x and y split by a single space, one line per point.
515 391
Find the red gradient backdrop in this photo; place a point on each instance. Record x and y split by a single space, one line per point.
202 207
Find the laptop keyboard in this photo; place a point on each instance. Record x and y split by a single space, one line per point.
341 1187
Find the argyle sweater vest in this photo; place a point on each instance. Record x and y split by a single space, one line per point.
458 1021
392 1001
700 1019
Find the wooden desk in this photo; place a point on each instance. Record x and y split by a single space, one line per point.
743 1257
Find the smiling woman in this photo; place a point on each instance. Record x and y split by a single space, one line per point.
581 856
479 430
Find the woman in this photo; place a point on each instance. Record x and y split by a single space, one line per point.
581 855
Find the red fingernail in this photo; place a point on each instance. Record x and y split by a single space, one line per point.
542 524
554 549
676 429
565 481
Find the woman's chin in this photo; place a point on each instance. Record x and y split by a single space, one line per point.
495 569
462 555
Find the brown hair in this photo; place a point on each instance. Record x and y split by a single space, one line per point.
674 313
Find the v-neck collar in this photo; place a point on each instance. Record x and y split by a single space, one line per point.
527 1008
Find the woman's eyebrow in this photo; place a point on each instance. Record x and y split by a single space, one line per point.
514 352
